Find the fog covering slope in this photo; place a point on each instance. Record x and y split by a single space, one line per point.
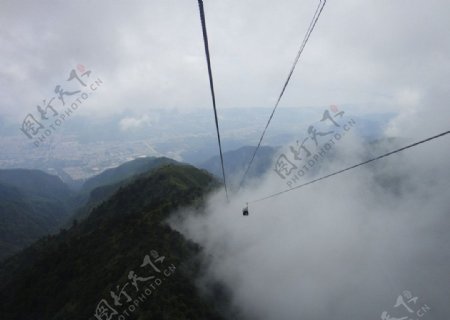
346 247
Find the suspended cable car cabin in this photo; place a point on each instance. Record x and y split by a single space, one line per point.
245 211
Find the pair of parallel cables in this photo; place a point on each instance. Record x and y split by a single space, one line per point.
211 84
297 58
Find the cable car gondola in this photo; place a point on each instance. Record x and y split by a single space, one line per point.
245 211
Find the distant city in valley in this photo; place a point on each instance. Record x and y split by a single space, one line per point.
86 147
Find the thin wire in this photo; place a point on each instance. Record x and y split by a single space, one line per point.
297 58
354 166
211 84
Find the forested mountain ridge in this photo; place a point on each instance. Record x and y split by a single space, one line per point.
32 204
66 276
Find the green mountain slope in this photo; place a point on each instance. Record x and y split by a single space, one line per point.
32 204
236 162
99 188
124 171
66 276
35 183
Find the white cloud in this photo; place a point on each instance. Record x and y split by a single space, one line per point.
130 123
344 248
408 98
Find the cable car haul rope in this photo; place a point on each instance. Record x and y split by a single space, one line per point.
211 85
297 58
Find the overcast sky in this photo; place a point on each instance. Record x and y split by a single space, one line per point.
380 55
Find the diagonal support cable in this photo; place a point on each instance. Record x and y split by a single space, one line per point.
354 166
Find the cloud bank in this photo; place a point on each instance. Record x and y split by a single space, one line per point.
343 248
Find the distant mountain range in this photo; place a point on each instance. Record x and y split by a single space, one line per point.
99 188
124 171
34 204
236 162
